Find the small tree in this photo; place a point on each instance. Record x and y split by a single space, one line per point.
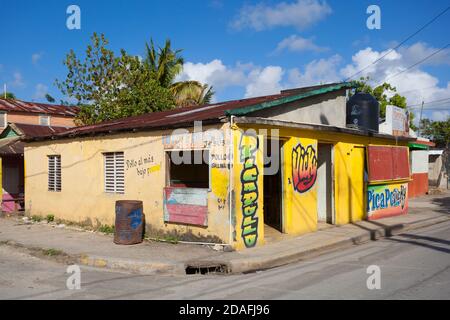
437 131
107 87
8 95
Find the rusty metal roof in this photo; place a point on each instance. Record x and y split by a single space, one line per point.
11 146
187 115
33 130
33 107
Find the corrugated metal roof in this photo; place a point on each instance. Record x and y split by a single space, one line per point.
10 146
52 109
34 130
187 115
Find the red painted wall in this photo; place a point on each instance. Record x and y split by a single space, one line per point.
419 185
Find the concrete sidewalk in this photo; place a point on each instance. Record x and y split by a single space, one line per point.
94 249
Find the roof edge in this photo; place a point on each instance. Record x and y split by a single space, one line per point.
261 106
318 127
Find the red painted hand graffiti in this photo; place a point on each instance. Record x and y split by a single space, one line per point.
304 167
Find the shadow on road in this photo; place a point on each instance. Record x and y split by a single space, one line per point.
443 203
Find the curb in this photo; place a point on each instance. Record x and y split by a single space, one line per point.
131 265
258 264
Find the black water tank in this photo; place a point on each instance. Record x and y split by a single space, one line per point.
362 112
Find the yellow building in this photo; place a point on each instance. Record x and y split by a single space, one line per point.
222 173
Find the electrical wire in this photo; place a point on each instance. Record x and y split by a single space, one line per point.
400 44
417 63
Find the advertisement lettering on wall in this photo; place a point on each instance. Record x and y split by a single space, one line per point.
387 200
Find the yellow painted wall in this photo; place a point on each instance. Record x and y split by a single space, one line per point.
248 176
300 158
83 199
300 208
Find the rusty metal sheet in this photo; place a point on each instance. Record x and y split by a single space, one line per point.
401 162
186 205
380 163
33 107
387 163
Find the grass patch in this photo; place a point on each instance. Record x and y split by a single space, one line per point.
106 229
52 252
50 218
36 218
167 238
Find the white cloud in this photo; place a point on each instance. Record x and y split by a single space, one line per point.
420 50
264 81
35 57
17 81
296 43
214 73
440 115
299 14
315 72
40 91
416 84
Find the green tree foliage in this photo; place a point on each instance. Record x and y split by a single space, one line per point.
165 63
437 131
8 95
49 98
109 87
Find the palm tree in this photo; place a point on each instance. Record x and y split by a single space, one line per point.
191 93
166 64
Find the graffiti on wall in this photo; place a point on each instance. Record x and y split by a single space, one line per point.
387 200
304 167
249 195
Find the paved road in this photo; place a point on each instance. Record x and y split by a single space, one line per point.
414 265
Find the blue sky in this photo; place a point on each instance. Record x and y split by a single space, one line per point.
242 48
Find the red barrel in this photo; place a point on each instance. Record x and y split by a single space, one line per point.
129 227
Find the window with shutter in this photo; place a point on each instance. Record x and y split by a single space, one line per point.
54 173
114 172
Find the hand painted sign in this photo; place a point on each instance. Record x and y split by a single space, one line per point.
387 200
249 194
304 167
186 205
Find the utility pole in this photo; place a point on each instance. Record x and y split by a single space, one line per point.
420 119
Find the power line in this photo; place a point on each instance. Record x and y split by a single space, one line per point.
417 63
419 104
403 92
400 44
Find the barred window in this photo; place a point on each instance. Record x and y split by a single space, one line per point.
114 172
54 173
